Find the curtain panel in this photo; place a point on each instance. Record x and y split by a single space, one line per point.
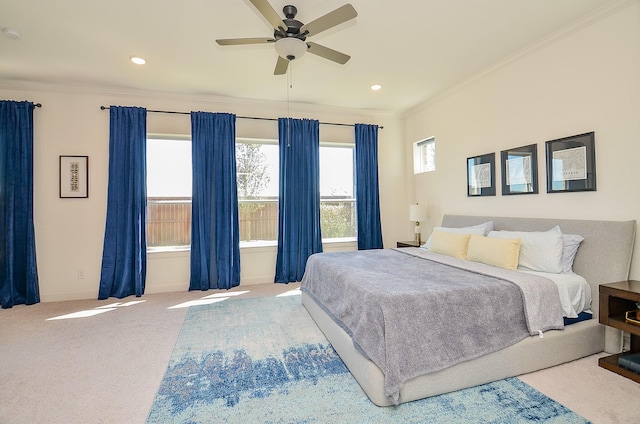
124 255
299 234
215 230
367 188
18 269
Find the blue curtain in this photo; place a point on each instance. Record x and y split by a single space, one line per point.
215 232
299 233
124 256
18 270
367 191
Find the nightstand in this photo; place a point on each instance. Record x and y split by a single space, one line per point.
411 243
615 300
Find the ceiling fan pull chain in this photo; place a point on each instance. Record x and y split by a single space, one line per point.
288 105
290 76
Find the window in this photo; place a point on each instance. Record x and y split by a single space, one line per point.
168 193
337 199
257 165
424 155
258 187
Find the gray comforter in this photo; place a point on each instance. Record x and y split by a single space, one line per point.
413 312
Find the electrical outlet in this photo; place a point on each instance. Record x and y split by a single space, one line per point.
80 274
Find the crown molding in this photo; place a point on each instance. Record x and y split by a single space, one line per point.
592 18
275 107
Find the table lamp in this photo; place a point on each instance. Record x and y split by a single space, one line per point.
417 213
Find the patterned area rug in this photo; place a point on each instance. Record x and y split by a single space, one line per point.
263 360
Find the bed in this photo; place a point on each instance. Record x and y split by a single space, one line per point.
603 256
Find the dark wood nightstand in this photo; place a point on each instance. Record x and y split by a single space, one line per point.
411 243
615 300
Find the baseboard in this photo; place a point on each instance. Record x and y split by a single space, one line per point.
168 288
60 297
149 289
256 280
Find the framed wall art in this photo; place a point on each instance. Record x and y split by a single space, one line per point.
571 164
74 176
519 168
481 172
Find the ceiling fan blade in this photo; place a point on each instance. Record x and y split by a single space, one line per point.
281 66
269 13
328 53
237 41
331 19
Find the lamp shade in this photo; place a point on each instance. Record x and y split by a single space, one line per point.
290 47
417 213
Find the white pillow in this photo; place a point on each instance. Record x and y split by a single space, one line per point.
480 229
539 251
571 242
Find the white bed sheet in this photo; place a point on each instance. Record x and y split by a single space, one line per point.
574 291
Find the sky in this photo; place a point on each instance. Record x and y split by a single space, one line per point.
169 169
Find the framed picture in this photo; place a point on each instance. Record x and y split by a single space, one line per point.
519 170
74 176
571 164
481 172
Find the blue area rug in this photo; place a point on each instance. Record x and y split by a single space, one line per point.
263 360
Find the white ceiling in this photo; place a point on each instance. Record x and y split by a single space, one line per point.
415 49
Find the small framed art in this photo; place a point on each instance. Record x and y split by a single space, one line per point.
519 170
74 176
571 164
481 172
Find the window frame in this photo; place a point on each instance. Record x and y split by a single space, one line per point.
352 199
421 166
172 248
263 243
258 243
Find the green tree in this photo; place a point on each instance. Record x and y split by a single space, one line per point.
252 179
251 166
336 219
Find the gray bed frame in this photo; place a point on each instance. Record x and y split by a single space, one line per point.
603 257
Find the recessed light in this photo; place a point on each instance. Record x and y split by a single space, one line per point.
376 87
137 60
11 34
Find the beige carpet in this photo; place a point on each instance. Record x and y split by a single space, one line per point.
106 367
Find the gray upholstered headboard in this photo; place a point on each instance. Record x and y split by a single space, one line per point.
603 257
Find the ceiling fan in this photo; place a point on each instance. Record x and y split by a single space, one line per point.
290 35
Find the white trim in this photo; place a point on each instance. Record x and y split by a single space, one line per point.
587 20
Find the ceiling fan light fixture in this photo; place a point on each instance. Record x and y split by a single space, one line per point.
290 48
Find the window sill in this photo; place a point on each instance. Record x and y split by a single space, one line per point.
157 251
258 244
338 240
166 252
274 243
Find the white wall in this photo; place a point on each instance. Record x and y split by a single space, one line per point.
586 80
69 232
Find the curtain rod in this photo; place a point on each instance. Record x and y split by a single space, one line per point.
242 117
37 105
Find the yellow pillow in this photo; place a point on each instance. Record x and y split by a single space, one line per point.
502 253
450 244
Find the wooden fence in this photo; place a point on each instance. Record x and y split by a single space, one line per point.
169 220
